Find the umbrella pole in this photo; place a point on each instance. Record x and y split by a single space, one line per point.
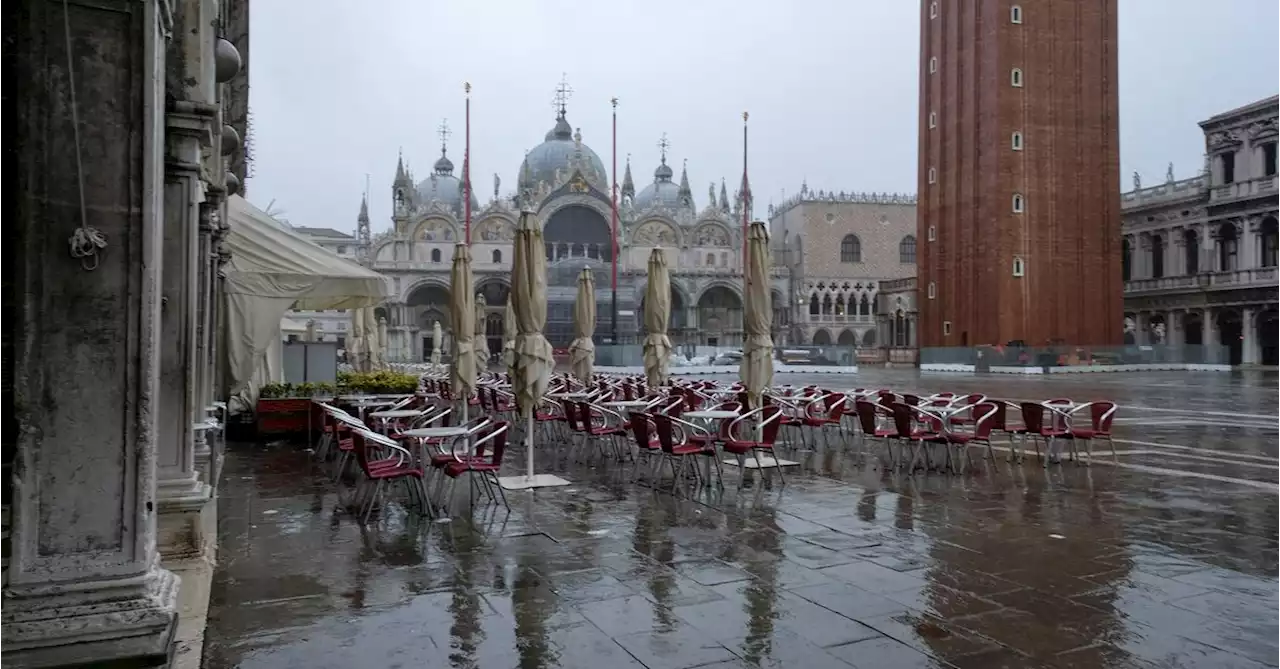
528 457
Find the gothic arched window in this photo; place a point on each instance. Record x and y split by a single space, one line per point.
435 255
497 256
907 250
850 249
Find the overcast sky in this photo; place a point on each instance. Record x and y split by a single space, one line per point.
338 87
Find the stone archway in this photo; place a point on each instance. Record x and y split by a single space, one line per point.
1231 335
720 316
847 338
1267 337
822 338
578 231
428 304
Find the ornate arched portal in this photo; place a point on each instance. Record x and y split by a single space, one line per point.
720 317
429 304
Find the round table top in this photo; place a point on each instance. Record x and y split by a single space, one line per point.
711 415
435 432
627 404
570 396
397 413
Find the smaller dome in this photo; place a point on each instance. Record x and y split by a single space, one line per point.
447 189
658 194
444 166
663 173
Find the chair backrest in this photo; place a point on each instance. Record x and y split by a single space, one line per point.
583 411
771 418
666 431
1000 420
903 420
944 395
571 415
911 400
1101 413
674 408
984 414
640 429
492 438
866 416
1032 416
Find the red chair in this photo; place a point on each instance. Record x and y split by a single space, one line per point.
970 415
985 412
1000 423
740 437
485 460
1101 414
868 422
647 443
381 470
1033 419
906 419
594 423
676 447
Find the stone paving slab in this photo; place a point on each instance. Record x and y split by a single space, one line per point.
846 566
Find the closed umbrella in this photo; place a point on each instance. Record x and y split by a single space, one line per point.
462 311
482 342
657 313
582 352
756 369
533 354
509 338
437 338
311 330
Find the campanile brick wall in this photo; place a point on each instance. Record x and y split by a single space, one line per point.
1068 235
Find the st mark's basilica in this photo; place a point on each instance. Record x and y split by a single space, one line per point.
566 184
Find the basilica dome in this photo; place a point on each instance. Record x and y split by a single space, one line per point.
558 151
445 187
663 192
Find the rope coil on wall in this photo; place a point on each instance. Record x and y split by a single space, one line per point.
86 242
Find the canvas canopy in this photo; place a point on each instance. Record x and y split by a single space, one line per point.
273 269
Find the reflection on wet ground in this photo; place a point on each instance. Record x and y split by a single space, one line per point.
1164 556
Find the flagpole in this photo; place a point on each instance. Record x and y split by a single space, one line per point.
746 194
613 227
466 168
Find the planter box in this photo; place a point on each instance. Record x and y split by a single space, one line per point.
283 416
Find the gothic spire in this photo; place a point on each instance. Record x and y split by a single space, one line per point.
628 185
685 193
724 197
400 173
364 209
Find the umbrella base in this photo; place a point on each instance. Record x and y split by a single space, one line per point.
529 482
766 462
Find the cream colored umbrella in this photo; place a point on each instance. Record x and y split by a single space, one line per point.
437 338
582 351
311 330
371 338
657 314
482 341
756 369
534 359
462 311
509 338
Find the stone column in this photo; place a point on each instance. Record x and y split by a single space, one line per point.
1142 328
181 493
1250 355
1174 335
1250 254
1211 339
84 581
1209 254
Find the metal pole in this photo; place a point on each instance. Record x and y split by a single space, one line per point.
746 195
466 169
613 228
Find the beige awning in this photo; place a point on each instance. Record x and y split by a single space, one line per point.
534 356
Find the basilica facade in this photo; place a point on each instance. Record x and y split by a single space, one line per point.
565 182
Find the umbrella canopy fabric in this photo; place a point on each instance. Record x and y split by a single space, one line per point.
509 330
533 353
582 351
756 369
482 341
463 312
657 314
437 338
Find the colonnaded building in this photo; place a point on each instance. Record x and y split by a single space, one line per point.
1199 255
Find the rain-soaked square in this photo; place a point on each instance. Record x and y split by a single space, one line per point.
1161 555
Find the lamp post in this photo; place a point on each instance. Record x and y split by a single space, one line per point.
613 228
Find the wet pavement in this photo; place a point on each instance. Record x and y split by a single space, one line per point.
1163 556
